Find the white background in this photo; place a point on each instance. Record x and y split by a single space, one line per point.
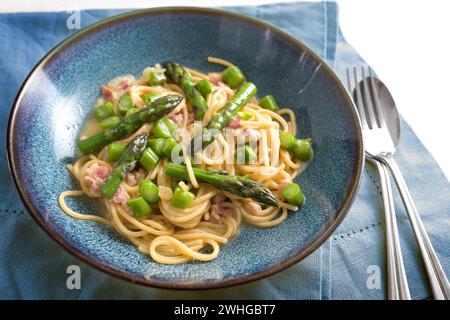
407 43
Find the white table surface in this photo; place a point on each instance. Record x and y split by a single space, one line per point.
406 42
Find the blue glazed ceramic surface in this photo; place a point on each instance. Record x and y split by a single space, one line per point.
58 95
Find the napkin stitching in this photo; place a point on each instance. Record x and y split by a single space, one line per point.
374 181
365 229
347 235
7 211
352 232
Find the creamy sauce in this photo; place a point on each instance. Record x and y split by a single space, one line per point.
91 127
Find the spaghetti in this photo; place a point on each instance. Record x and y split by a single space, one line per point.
173 235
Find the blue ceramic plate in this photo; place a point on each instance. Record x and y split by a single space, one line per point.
57 96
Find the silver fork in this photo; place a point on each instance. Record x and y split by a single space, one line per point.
397 282
381 147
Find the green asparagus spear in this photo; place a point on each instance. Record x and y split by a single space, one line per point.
221 119
127 163
239 185
178 75
151 112
233 77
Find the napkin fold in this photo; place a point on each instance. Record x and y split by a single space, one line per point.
350 265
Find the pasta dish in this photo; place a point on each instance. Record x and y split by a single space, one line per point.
180 158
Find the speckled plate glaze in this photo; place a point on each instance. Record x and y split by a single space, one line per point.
58 95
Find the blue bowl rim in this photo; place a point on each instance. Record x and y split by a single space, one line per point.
294 258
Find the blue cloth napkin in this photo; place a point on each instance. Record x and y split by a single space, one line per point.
350 265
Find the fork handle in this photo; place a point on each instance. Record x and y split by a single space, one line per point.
398 288
436 275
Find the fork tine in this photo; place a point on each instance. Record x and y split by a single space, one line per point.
349 83
358 99
350 91
376 99
371 117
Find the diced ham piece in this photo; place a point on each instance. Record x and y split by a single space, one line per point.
125 83
218 198
121 196
108 93
177 118
219 211
133 178
96 176
102 171
215 78
235 123
252 207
